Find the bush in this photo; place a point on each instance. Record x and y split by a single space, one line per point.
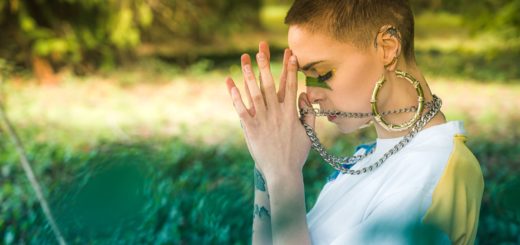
170 192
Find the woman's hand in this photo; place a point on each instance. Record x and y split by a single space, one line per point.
275 137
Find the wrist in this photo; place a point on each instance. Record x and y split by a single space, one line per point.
260 182
282 177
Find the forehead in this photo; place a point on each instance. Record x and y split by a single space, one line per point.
314 46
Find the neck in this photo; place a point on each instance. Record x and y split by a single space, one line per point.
399 93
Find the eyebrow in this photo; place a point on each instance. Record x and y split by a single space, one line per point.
310 65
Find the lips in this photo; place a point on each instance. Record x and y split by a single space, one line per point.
331 118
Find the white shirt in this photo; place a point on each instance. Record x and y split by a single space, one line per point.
377 207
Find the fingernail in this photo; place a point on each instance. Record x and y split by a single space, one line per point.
247 68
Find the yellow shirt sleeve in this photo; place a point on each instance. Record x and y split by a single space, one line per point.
456 199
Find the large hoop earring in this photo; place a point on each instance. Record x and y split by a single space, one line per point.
420 103
366 124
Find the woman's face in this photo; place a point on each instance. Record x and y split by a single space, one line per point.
351 85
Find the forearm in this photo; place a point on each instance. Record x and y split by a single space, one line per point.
261 211
288 213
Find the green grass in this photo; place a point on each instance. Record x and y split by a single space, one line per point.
169 191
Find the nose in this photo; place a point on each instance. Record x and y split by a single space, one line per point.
314 95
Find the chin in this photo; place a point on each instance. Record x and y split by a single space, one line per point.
351 126
346 129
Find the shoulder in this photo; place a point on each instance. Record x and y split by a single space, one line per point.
444 157
425 163
422 162
456 199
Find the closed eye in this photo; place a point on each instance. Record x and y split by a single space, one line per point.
326 76
320 80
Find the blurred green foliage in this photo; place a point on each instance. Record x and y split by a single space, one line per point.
201 20
496 16
168 191
98 32
70 31
160 192
89 34
490 66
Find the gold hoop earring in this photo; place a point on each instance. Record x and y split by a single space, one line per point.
366 124
420 103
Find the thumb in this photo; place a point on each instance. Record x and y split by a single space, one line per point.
303 102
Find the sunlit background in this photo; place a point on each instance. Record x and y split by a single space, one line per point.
123 112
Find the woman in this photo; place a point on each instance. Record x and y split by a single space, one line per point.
418 176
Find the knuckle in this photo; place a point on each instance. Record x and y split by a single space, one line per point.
283 77
292 83
292 67
250 77
269 86
257 98
280 98
243 113
263 65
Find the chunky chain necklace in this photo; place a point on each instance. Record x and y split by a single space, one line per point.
336 162
317 112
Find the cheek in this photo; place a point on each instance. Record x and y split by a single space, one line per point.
353 86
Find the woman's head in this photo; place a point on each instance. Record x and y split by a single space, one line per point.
347 44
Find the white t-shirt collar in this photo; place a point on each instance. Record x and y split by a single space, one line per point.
447 128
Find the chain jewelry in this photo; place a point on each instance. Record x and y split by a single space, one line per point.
336 162
318 112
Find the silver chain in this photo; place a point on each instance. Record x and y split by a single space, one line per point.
336 162
318 112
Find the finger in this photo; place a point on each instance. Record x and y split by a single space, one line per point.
249 77
292 83
303 102
264 46
238 103
283 78
251 106
267 84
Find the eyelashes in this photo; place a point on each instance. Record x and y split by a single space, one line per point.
326 76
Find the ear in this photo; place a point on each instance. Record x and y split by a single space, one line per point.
388 46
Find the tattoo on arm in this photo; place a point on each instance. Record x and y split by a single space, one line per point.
261 211
259 180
